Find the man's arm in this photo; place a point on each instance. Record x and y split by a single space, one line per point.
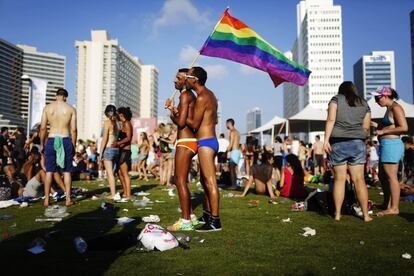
199 110
180 115
231 138
74 128
42 134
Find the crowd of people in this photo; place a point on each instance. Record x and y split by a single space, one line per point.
355 151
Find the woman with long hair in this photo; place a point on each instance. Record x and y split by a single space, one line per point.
108 152
392 126
124 144
346 130
167 138
143 155
292 180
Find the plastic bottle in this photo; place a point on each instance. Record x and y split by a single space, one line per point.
80 245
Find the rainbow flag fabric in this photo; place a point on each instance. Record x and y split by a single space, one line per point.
234 40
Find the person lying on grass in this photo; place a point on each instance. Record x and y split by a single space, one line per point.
292 180
261 175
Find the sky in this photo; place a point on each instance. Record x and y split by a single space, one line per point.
169 34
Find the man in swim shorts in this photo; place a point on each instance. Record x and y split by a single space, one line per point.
185 149
204 121
61 142
234 152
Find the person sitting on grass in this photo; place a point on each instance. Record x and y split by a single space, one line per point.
261 175
292 181
17 180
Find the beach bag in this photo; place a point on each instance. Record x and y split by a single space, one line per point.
5 188
154 237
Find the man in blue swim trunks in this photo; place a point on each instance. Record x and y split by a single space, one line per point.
234 152
60 145
204 121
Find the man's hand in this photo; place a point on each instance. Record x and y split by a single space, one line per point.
169 103
114 144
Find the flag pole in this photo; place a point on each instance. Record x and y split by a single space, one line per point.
197 56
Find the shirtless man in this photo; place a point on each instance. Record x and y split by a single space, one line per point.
60 145
186 148
204 121
318 155
233 152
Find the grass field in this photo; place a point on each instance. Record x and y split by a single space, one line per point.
254 240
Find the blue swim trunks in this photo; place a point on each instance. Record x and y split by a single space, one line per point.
235 156
50 155
391 150
210 143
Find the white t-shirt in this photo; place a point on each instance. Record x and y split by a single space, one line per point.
223 144
295 147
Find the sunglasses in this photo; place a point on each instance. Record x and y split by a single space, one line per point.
190 77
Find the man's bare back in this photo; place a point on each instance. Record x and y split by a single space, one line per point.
59 116
234 139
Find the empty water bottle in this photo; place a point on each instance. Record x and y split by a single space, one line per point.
80 245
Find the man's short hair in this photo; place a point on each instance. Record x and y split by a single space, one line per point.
317 136
230 121
221 135
200 74
3 129
183 70
62 92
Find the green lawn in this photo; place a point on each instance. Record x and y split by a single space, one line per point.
254 240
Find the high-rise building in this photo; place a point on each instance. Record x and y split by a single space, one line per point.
412 47
318 46
47 66
11 71
253 119
373 70
149 91
106 74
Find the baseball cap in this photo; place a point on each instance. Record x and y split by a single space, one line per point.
110 110
382 91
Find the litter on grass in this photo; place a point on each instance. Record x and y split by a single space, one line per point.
125 210
308 232
37 246
287 220
171 193
6 216
24 204
8 203
56 211
151 218
48 220
155 237
141 194
159 201
124 220
229 195
94 198
254 203
406 256
202 241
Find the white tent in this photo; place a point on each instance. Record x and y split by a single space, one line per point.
269 126
308 119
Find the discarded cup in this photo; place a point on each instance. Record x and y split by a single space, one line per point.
6 216
80 245
56 211
108 206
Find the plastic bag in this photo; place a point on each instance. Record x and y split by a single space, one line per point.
154 237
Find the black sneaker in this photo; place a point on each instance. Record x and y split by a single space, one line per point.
212 225
204 218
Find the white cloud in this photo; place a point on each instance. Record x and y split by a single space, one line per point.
216 71
179 12
187 54
247 70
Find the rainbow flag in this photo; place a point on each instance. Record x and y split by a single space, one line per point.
234 40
